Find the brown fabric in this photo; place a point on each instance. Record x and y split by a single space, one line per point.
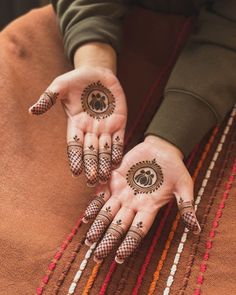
39 200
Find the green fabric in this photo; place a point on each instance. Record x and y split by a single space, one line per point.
202 86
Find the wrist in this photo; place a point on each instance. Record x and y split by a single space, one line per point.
165 145
95 54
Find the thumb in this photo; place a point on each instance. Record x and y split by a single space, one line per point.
46 100
185 200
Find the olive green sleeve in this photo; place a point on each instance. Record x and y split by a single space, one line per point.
83 21
202 86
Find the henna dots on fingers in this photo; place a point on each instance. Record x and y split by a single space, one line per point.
188 215
113 235
94 208
103 219
145 177
117 151
91 165
132 240
46 101
104 163
75 155
98 101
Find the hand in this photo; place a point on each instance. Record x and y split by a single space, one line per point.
148 178
95 105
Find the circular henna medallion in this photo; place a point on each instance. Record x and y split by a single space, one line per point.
98 101
145 177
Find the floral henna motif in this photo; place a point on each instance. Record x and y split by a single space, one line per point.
98 101
145 177
91 165
103 219
133 239
188 216
117 151
75 155
47 100
104 163
111 238
94 207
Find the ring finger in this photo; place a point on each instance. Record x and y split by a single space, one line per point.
104 169
141 224
91 158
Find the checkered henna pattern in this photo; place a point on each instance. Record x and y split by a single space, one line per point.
91 165
188 216
75 156
46 101
103 219
111 238
117 151
130 243
94 207
104 163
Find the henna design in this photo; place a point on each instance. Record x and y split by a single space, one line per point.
104 163
75 155
98 101
112 236
94 207
133 239
188 215
145 177
46 101
103 219
91 165
117 151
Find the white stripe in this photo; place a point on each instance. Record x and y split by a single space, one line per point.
80 270
173 269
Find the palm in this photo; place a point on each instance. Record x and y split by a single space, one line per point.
78 80
95 105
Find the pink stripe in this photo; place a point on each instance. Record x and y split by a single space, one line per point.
185 27
212 232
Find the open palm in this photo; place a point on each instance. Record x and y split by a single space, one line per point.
95 105
147 179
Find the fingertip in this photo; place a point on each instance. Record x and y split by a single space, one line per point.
97 260
85 220
118 260
87 243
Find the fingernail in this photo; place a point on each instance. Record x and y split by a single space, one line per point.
88 243
97 260
85 220
118 260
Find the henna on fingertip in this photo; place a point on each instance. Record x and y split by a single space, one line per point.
188 215
94 207
104 165
102 221
91 165
131 242
75 155
117 151
113 235
46 101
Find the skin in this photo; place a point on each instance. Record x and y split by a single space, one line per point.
131 208
97 62
93 62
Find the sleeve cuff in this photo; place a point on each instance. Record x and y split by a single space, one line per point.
182 120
